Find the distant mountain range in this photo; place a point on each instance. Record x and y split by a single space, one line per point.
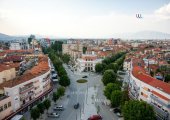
144 35
4 37
137 35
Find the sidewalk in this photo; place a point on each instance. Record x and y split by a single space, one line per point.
89 104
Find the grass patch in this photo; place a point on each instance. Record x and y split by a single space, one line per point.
81 81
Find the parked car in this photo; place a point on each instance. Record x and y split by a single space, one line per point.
76 106
84 76
53 114
95 117
60 108
117 111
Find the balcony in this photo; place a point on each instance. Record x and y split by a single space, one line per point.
26 88
160 113
159 101
132 95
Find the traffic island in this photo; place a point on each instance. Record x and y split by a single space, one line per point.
82 81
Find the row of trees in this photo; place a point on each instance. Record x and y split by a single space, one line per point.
59 93
57 62
112 89
109 63
132 110
37 111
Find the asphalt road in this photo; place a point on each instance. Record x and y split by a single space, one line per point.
79 93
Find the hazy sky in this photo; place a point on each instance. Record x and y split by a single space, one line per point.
83 18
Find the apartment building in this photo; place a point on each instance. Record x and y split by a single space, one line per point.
28 88
69 48
7 72
19 45
144 87
5 106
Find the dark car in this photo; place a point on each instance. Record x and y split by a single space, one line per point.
95 117
76 106
84 76
117 111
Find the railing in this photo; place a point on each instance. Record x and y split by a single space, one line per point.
161 114
159 101
27 104
25 89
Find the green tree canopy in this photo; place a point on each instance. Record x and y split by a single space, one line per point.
167 78
116 98
47 104
64 81
138 110
109 88
84 50
125 97
66 58
109 77
35 113
99 67
55 96
41 107
61 91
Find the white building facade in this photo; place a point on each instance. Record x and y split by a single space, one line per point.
156 93
87 62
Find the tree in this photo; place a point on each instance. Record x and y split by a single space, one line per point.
116 98
47 104
84 50
109 77
113 66
167 78
64 81
138 110
66 58
152 73
125 97
99 67
35 113
109 88
23 118
41 108
55 96
61 91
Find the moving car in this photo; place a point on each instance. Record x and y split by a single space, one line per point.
76 106
53 114
95 117
60 108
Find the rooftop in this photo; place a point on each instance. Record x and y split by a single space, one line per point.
41 68
140 74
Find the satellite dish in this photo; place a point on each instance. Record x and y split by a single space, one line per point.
139 16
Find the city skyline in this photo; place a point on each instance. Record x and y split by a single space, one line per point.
78 18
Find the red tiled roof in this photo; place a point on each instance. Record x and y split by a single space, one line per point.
41 68
4 67
140 74
159 95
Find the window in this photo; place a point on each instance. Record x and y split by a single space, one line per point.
141 93
5 106
9 104
1 108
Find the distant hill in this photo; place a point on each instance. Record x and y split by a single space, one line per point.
144 35
4 37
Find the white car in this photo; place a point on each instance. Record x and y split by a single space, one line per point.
60 108
53 114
